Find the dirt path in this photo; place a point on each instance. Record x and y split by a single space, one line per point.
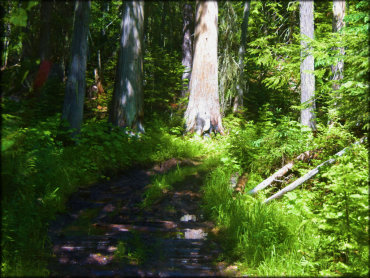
105 232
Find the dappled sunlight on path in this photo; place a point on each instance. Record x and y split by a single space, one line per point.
106 232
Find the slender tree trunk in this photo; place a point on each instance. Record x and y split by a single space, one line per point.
187 46
146 28
238 101
6 41
26 42
163 23
127 103
6 9
105 10
76 83
44 47
171 35
203 111
339 7
45 14
307 64
99 61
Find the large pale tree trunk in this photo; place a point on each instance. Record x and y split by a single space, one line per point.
339 7
127 103
76 84
187 46
238 101
307 64
203 111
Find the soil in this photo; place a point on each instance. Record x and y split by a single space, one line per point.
105 231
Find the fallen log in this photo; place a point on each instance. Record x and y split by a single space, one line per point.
280 173
309 175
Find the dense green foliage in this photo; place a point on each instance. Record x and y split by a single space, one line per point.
320 228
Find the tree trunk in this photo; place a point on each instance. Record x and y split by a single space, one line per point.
44 46
6 41
203 111
171 35
281 172
45 14
238 101
311 173
103 38
339 7
127 103
187 46
76 83
163 23
99 61
307 64
6 33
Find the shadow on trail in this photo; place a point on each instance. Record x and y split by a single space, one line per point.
105 232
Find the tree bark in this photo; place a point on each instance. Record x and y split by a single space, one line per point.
281 172
76 83
45 14
310 174
163 23
203 111
127 103
187 46
307 64
6 34
6 41
339 7
238 101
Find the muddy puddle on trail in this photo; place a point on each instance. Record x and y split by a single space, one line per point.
106 233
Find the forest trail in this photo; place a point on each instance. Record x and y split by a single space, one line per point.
105 232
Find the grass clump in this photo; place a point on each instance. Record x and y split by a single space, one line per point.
250 232
162 183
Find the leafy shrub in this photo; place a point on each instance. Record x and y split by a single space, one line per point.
267 145
163 82
343 218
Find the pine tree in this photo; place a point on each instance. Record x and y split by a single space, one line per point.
127 103
238 101
187 45
339 7
307 64
76 83
203 111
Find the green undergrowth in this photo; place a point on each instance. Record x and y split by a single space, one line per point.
40 171
162 183
320 228
258 238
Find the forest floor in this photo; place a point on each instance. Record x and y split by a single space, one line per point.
106 231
